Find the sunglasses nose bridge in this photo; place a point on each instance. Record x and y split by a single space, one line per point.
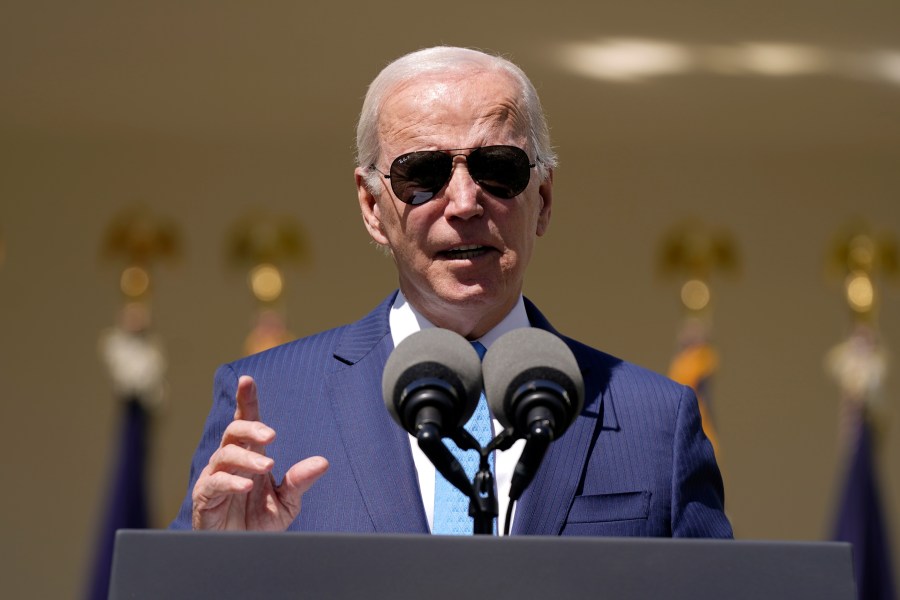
462 190
458 160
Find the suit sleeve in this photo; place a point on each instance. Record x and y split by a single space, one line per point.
698 497
220 415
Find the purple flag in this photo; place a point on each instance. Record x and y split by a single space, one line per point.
126 506
860 522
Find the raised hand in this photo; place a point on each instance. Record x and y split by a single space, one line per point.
236 490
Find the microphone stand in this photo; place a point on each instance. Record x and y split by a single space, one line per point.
483 506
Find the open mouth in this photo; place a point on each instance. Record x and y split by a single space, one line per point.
465 252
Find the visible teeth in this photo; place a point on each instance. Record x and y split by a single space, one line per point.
469 251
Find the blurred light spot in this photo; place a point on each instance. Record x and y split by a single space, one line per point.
695 294
636 59
860 292
783 60
266 282
886 66
626 59
135 282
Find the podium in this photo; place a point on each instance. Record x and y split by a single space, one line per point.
171 564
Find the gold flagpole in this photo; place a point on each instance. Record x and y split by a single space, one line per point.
859 258
692 252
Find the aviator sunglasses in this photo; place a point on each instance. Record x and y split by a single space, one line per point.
416 177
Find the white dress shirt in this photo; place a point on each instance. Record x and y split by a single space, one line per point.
405 321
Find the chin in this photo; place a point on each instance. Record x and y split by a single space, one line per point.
472 295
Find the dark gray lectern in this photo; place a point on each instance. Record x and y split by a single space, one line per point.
191 565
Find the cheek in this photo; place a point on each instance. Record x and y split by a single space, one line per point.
406 240
389 219
524 229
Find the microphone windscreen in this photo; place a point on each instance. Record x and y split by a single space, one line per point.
433 354
526 355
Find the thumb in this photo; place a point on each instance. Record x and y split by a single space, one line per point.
298 480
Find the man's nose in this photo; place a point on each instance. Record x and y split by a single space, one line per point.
462 192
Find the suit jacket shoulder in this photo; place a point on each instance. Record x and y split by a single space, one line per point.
635 462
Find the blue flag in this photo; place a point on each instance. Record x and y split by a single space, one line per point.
126 506
860 522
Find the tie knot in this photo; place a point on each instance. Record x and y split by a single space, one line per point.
479 348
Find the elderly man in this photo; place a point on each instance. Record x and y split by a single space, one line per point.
455 182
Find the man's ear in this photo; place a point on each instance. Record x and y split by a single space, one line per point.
545 192
368 205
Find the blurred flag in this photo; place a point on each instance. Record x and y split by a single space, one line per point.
860 522
136 365
694 365
126 504
133 356
269 330
859 365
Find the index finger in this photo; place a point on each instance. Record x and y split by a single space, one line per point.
246 400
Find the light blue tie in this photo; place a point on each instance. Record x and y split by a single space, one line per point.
451 507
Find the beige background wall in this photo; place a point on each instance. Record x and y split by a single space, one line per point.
204 111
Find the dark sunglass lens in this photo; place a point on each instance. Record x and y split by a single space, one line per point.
503 171
416 177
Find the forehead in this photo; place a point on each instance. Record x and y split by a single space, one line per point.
455 110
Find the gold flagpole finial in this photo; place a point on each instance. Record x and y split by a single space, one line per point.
859 257
141 238
693 251
263 245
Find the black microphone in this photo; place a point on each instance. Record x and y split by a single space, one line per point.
535 389
431 386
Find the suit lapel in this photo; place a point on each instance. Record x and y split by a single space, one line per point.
543 507
378 450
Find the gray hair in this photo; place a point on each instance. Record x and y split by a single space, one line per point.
448 59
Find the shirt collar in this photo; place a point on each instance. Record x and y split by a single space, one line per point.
405 320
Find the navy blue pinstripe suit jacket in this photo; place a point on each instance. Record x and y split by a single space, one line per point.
634 463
